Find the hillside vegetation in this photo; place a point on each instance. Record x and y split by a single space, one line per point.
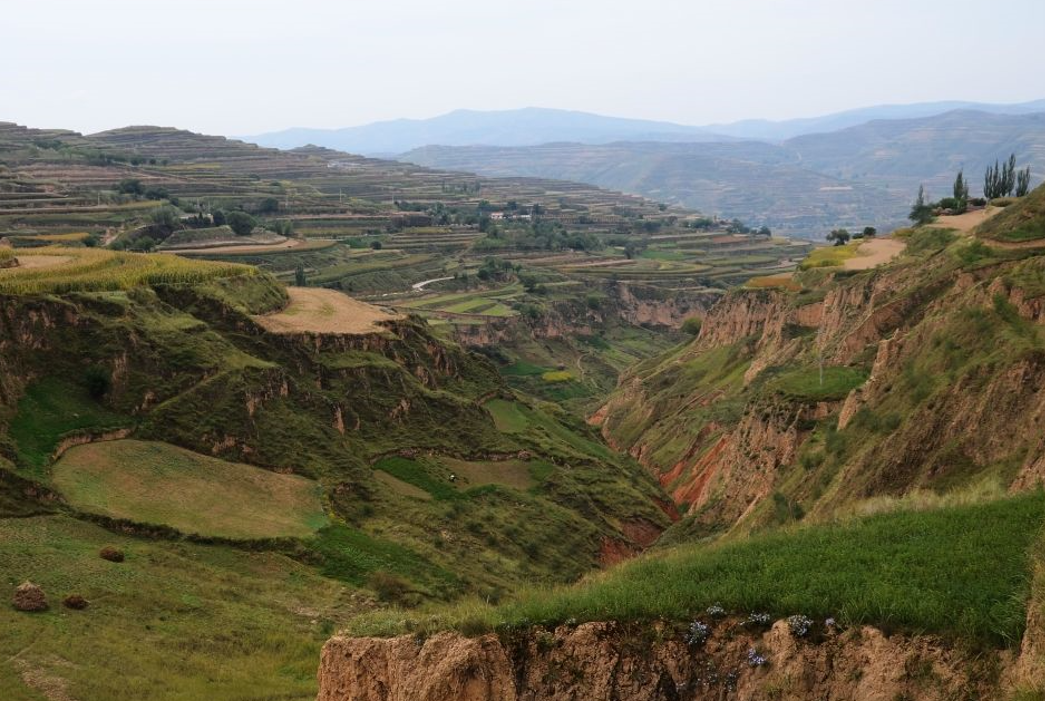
532 380
884 570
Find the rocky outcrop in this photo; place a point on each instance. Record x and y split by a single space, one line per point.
654 663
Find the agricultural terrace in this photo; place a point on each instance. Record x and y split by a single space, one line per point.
491 303
158 483
55 269
317 310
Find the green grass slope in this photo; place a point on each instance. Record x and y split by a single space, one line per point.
963 571
155 483
1021 221
173 622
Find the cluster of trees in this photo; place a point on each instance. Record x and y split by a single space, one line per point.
921 210
465 188
1003 180
1000 180
840 237
960 193
239 221
538 235
497 270
135 188
532 285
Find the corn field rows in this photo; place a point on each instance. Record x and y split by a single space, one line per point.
92 270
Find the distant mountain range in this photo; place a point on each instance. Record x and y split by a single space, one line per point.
532 126
523 127
790 128
863 175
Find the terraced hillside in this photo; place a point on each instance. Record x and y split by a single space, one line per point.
168 415
488 262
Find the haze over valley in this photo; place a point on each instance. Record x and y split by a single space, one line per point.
734 395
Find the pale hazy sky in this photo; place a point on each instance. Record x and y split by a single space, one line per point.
247 66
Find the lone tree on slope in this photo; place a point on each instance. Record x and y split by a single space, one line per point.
921 211
839 237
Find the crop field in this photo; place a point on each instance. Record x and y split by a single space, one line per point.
507 416
829 256
519 474
784 281
29 240
317 310
250 246
446 478
493 303
157 483
92 270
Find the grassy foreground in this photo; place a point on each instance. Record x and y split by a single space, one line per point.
175 621
961 570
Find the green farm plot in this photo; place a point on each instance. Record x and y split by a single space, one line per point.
486 303
400 486
159 483
811 384
540 427
508 416
519 474
447 478
420 475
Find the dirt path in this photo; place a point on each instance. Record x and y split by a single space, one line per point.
258 248
425 283
965 222
873 253
318 310
1015 245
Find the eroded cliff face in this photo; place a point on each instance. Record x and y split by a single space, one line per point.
654 663
954 391
618 303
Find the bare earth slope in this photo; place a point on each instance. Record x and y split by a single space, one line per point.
317 310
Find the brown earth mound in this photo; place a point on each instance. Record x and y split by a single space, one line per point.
75 602
29 597
111 554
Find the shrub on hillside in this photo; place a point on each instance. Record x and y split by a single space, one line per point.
75 602
240 222
692 325
111 554
98 381
389 588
